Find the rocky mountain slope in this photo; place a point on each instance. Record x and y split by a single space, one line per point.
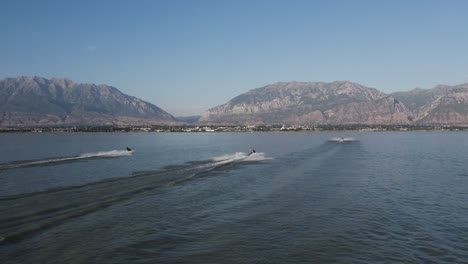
311 103
32 101
418 97
449 109
441 105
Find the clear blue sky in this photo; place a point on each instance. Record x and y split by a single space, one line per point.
188 56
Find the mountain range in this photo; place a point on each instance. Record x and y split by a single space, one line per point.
342 102
36 101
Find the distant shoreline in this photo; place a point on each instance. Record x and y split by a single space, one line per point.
214 129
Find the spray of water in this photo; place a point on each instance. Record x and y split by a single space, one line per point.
346 139
112 153
51 161
241 156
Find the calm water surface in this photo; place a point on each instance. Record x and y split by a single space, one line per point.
198 198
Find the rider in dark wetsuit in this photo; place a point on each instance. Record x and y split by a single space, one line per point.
252 152
128 149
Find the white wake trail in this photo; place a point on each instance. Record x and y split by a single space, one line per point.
50 161
240 156
346 139
112 153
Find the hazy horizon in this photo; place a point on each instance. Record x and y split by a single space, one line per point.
186 57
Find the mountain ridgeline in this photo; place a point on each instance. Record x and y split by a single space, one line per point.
341 102
312 103
35 101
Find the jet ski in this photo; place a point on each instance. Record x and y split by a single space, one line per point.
128 149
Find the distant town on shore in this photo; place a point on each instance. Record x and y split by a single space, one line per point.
251 128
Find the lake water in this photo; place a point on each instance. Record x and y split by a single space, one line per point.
398 197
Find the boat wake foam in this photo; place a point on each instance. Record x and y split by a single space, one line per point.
58 160
347 139
28 213
241 156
